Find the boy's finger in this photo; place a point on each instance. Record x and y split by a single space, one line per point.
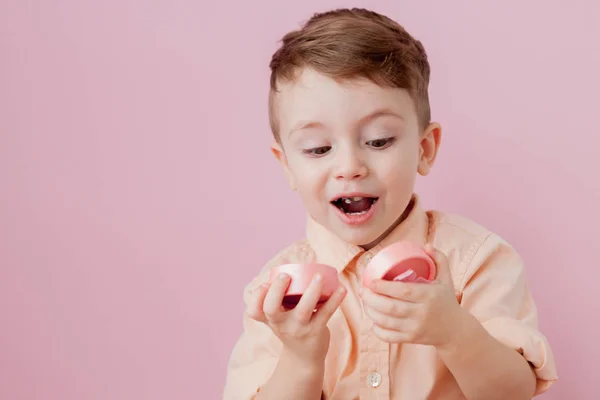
272 305
390 336
408 291
330 306
388 305
386 321
255 305
308 302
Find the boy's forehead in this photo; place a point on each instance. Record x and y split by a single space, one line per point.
314 97
312 84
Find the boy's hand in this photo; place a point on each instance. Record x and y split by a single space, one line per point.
303 332
420 313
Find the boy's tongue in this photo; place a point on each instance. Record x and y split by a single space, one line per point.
356 206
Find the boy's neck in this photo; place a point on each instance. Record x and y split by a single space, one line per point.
398 221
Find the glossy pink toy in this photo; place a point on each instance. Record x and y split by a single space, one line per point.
302 275
401 261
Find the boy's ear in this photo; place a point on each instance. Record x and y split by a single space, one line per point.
430 144
279 154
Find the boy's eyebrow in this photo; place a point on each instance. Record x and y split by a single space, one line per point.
382 112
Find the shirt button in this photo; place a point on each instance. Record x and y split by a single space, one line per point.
374 379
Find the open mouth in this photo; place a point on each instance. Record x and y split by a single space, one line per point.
354 205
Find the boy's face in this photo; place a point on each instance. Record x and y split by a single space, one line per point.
352 151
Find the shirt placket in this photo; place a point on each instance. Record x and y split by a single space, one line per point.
374 358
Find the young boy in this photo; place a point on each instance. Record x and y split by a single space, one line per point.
350 115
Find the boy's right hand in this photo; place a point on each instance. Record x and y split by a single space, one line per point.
302 330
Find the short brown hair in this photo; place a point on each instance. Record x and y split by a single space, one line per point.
354 43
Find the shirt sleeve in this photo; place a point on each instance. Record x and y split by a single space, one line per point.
495 291
253 358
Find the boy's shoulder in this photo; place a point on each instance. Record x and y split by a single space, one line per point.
470 245
297 252
454 231
456 226
459 231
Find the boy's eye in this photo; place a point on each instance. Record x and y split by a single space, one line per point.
317 151
380 143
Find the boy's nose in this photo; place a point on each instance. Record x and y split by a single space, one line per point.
350 167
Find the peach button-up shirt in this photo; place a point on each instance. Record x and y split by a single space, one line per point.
489 281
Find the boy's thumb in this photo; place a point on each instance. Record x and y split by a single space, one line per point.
443 274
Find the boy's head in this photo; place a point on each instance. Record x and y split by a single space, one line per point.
349 110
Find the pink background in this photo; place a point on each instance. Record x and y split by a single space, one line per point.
138 195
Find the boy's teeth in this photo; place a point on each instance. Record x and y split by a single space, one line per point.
349 200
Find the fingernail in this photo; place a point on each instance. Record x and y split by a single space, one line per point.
282 276
341 290
318 277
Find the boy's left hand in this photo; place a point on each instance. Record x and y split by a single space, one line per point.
419 313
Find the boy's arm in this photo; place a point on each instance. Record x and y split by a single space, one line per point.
293 381
252 361
259 368
485 368
498 350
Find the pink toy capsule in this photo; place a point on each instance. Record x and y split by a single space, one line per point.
401 261
301 277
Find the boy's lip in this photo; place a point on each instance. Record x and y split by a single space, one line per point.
358 219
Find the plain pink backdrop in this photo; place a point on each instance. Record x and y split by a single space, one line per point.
138 195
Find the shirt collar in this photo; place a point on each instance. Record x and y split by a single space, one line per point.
331 250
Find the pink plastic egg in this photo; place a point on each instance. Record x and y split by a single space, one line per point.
301 277
404 261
